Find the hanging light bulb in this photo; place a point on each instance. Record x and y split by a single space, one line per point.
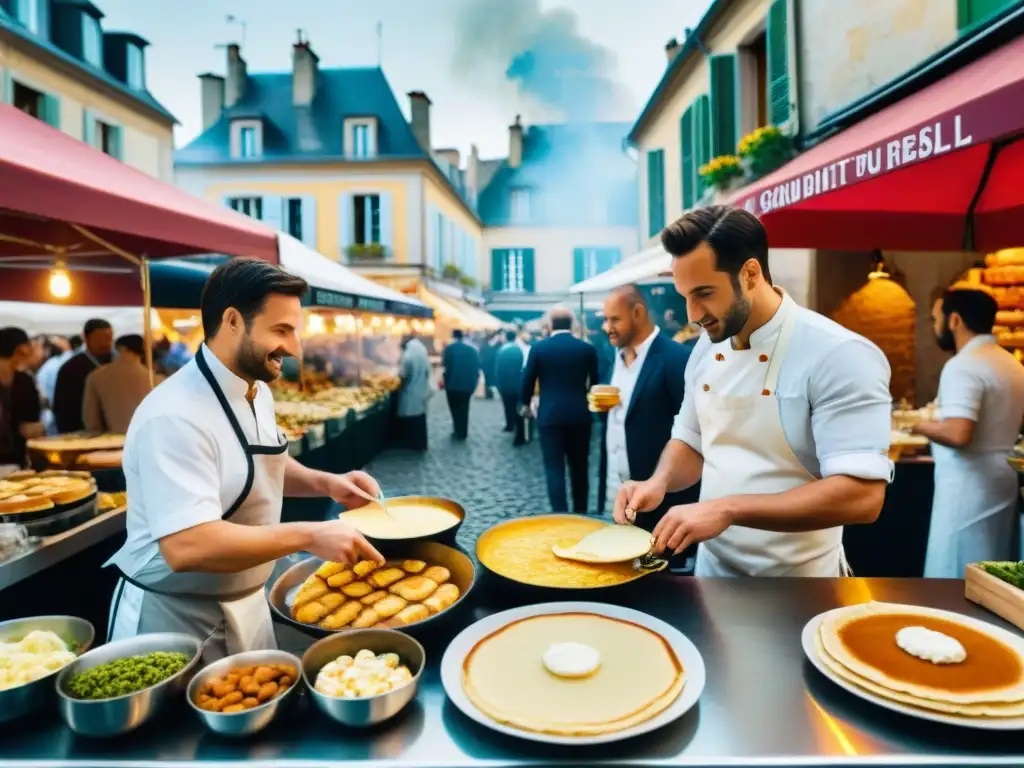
60 281
879 270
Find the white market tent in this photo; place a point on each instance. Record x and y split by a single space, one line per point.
60 320
646 265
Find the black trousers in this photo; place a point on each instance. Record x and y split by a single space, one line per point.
458 404
511 404
411 432
561 445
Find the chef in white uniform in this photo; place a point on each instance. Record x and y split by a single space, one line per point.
785 418
206 469
981 407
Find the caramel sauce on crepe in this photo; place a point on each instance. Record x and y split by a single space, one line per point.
989 665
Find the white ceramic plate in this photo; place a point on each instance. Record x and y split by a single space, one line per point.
686 652
989 724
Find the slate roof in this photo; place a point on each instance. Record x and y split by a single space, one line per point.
311 133
567 168
10 25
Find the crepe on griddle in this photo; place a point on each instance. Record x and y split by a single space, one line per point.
609 544
859 645
638 678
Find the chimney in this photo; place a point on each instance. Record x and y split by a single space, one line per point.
473 169
304 69
450 155
419 118
515 144
234 87
671 49
211 98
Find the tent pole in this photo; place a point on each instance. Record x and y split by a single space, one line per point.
147 317
359 349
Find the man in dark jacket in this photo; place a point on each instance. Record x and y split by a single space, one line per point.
649 371
461 364
566 368
69 394
488 354
508 370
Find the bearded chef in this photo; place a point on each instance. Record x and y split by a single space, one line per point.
981 406
206 469
785 418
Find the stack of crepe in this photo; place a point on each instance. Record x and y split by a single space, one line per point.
858 644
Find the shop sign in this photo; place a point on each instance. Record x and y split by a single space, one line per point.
322 298
372 305
931 140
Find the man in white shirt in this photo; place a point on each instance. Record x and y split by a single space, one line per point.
206 469
981 406
785 420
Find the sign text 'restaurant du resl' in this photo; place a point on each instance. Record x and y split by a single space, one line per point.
944 135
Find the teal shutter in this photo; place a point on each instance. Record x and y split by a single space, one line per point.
309 233
116 144
387 224
701 139
528 277
498 257
579 265
686 147
970 13
778 62
6 87
273 212
655 191
89 128
346 230
724 92
608 258
50 112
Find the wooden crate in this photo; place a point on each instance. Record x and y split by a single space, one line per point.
1004 600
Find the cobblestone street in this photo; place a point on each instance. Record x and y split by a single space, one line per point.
490 478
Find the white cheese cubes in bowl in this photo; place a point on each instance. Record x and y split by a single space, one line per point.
363 677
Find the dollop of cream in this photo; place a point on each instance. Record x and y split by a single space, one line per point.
930 645
571 660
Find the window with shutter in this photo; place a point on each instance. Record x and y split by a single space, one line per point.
778 62
527 270
688 171
579 270
498 256
972 13
701 139
655 191
724 96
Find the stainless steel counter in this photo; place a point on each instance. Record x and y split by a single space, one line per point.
764 705
54 549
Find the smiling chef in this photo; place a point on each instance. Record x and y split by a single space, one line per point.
206 469
786 418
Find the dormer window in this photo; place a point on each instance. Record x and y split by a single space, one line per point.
27 14
136 69
360 137
92 41
246 139
520 205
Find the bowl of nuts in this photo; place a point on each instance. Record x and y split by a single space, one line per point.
242 694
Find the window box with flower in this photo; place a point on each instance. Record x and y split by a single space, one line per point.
722 172
763 151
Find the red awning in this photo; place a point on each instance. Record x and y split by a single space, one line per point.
909 177
49 180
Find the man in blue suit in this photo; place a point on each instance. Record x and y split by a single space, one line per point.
566 368
508 376
461 364
649 369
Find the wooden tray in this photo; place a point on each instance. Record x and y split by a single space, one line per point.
1004 600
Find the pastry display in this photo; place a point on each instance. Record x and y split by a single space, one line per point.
318 401
27 493
100 459
404 519
245 688
107 501
77 443
36 655
394 594
524 551
365 674
572 674
925 658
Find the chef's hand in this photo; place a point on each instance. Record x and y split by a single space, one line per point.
351 489
690 524
637 497
341 543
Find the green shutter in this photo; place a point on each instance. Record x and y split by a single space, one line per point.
6 87
50 112
607 258
116 142
655 191
778 62
498 257
701 139
579 265
89 128
724 91
688 171
528 281
970 13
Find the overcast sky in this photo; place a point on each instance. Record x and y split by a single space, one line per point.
441 47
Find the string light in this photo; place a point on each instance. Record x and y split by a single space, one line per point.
60 282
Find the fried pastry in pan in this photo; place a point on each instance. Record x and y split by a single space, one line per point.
443 598
357 589
341 578
414 588
365 567
413 566
374 597
343 616
328 569
411 614
366 619
437 574
384 578
389 606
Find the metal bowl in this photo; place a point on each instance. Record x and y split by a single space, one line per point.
32 697
120 715
447 536
369 710
251 720
458 563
